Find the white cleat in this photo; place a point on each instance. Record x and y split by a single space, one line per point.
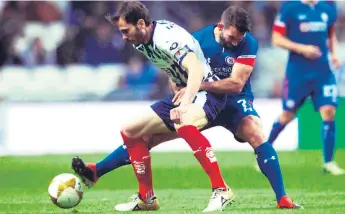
219 200
333 168
136 204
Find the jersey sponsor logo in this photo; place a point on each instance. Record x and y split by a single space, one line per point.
229 60
312 27
222 71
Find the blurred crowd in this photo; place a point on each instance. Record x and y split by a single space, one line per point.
78 33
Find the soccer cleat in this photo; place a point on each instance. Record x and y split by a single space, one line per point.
87 172
287 203
136 204
219 200
333 168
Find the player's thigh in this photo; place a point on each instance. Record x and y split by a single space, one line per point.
195 115
325 96
294 93
234 117
148 122
205 108
244 121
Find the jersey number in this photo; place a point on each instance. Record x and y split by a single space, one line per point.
330 91
244 105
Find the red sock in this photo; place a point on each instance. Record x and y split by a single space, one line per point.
141 162
203 152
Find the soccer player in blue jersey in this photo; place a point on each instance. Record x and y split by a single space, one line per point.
231 51
305 28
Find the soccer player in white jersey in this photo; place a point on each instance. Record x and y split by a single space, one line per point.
178 54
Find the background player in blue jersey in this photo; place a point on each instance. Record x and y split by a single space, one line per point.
305 28
231 51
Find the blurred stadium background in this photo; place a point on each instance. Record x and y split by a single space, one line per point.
68 81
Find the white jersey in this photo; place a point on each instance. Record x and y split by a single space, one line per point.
169 44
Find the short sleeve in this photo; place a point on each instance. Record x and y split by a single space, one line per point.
282 20
177 43
248 53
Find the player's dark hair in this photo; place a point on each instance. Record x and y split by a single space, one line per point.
238 17
132 11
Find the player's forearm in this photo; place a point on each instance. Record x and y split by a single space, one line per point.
333 43
223 86
283 42
195 76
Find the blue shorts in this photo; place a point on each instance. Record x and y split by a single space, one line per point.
322 90
212 104
237 108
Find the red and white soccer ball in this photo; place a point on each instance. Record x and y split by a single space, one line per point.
65 190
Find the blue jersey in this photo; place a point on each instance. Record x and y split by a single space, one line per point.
309 25
222 60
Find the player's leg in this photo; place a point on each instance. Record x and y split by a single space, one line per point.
119 157
246 125
132 134
198 116
140 155
278 126
91 172
325 101
294 93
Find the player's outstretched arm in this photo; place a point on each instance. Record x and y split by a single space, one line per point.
195 75
234 84
282 41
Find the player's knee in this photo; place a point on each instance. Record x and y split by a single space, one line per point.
129 130
195 116
287 116
327 112
250 131
256 139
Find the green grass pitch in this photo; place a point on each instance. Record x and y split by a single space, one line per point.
180 184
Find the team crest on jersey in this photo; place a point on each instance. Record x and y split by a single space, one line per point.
324 17
229 60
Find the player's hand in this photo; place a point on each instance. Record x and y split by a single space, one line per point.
178 96
335 61
177 113
311 52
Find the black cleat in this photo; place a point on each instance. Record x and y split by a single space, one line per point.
87 172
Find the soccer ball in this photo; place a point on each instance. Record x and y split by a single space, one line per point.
65 190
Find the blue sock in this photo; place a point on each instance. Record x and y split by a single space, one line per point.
267 159
328 137
277 127
119 157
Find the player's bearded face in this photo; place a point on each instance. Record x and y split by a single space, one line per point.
224 42
138 36
230 37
